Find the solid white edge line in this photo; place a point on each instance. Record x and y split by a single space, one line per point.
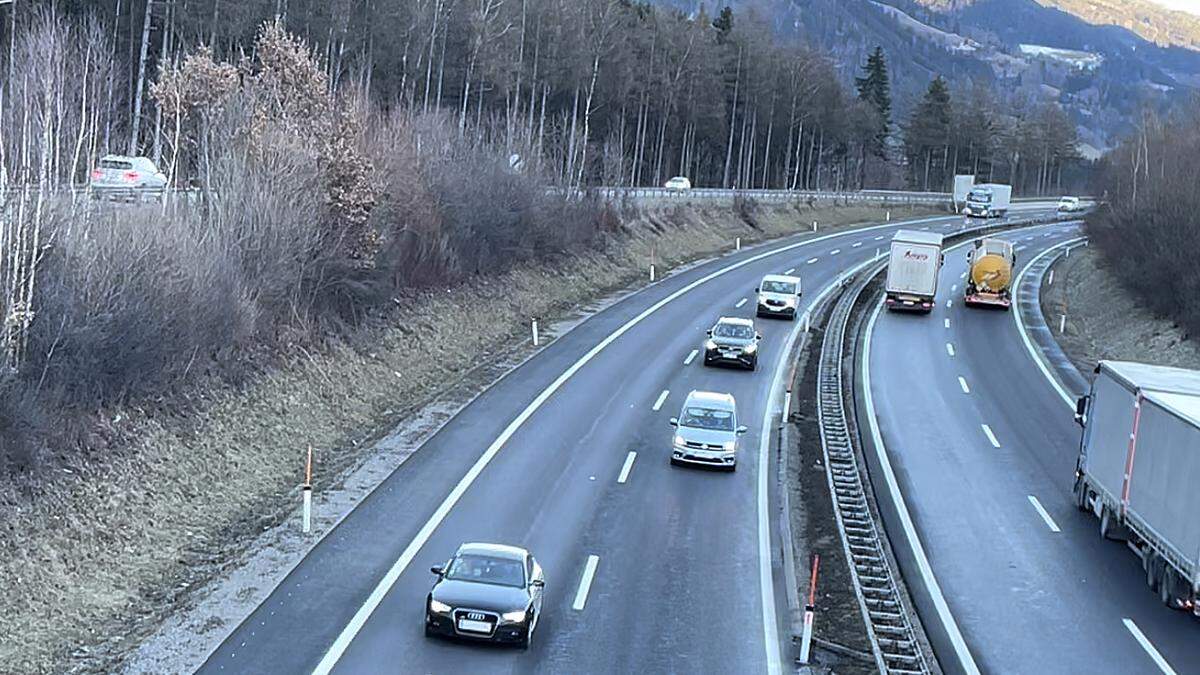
1149 647
740 303
962 382
585 583
1034 352
691 357
1044 514
950 349
966 661
627 467
662 398
347 635
987 431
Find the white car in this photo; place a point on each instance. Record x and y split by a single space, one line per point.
679 183
778 295
1069 204
118 175
707 431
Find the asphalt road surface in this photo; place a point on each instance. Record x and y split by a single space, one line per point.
685 575
984 449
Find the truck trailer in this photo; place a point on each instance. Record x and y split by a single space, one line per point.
988 200
913 268
962 187
989 279
1138 470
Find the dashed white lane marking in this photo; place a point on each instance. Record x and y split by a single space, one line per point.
949 304
585 584
1145 643
880 237
954 288
691 357
740 302
1045 516
661 398
627 467
963 275
856 244
987 431
946 322
835 251
812 260
950 349
962 382
790 270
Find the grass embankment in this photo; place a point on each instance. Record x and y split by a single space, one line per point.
110 547
1106 321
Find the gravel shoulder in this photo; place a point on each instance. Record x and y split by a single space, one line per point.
144 559
1106 321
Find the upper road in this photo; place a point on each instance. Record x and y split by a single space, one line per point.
685 574
984 450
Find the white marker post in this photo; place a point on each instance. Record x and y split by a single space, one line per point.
1062 324
1050 281
810 610
814 226
306 489
651 263
737 244
889 216
535 333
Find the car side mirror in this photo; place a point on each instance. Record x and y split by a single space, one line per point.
742 430
709 332
438 570
756 289
538 583
758 336
674 421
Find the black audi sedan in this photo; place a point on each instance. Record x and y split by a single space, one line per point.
488 592
732 340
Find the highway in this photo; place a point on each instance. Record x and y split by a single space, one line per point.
984 449
684 578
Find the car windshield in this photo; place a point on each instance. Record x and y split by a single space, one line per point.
982 196
115 164
487 570
733 330
778 287
707 418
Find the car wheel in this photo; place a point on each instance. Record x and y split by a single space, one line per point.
674 462
527 639
429 630
733 467
753 365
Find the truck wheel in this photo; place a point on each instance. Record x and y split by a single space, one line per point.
1080 492
1150 562
1105 522
1166 588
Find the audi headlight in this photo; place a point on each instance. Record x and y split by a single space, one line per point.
729 445
439 607
514 617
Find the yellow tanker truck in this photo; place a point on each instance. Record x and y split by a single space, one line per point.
989 282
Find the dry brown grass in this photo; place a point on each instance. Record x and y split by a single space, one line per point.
107 549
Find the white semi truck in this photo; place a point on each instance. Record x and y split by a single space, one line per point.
988 200
913 269
1138 470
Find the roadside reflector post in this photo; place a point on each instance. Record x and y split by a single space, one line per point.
814 226
810 609
1050 281
1067 255
805 326
651 263
307 492
535 333
737 244
889 216
1062 324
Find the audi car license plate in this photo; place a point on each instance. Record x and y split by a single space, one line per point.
474 626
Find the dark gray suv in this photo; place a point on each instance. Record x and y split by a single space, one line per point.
733 341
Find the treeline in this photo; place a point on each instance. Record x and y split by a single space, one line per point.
1031 146
1146 226
589 91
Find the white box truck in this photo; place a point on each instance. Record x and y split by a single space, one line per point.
988 200
1139 470
913 268
962 188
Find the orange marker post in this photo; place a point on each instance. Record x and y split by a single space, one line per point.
810 609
